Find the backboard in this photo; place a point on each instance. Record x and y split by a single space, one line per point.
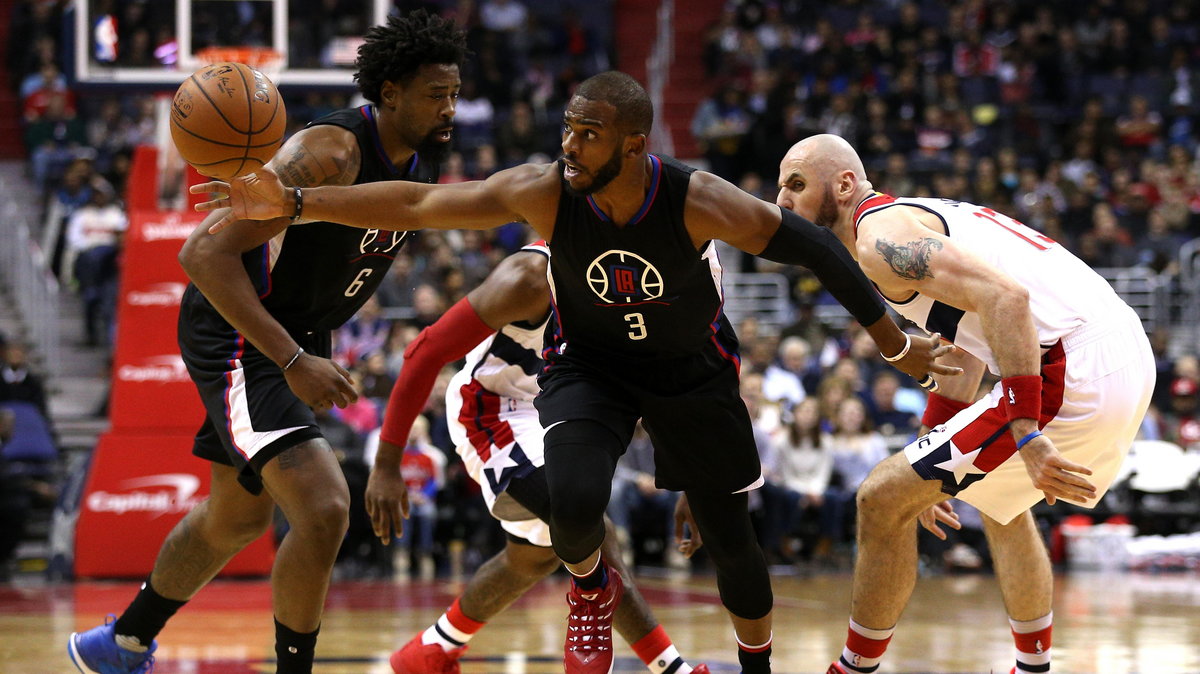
156 43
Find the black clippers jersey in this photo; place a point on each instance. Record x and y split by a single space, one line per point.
641 291
315 276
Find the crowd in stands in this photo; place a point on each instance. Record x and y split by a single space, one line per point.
1079 120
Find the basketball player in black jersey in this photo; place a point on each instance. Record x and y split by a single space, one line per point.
638 331
254 330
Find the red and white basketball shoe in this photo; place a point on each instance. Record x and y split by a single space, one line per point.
589 646
420 658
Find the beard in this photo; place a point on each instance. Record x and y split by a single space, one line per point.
432 150
601 178
827 214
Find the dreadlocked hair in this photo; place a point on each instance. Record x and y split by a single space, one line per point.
395 50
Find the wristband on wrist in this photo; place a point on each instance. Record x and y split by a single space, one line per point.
295 358
903 352
1025 440
939 409
1021 396
299 201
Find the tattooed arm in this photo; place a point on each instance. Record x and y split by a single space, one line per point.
322 155
904 252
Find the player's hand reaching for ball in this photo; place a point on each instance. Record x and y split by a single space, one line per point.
320 382
257 196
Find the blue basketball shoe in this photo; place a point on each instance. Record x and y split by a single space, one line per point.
96 652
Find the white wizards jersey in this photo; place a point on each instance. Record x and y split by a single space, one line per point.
508 362
1064 293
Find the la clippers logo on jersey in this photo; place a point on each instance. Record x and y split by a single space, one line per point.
621 277
380 241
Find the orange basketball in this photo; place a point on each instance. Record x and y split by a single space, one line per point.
227 120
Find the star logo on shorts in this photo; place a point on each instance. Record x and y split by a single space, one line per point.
961 465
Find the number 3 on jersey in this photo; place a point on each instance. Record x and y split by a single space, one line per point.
357 283
637 326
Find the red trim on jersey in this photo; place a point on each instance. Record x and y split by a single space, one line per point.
875 200
480 415
729 355
458 331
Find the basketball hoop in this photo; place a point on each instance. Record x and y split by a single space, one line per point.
264 59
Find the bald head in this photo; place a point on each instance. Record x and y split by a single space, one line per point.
820 178
825 156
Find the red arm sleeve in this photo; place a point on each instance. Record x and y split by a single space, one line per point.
453 336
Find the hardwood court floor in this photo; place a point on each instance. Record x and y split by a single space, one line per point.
1103 623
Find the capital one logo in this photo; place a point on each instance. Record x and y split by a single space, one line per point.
618 276
156 295
154 495
380 241
161 369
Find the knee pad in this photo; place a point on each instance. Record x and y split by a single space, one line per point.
580 462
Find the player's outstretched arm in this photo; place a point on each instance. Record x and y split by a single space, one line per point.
717 209
513 195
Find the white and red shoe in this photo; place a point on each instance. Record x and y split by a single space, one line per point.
836 668
421 658
589 646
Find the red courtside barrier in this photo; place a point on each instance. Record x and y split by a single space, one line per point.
138 487
143 478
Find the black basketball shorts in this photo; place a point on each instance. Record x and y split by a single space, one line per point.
252 414
690 406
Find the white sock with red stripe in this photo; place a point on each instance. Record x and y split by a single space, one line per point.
1032 638
658 653
453 630
864 648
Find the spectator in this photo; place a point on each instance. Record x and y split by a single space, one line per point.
1183 424
364 333
423 468
720 126
376 380
18 383
782 383
503 16
885 416
638 508
15 501
795 498
94 234
517 137
857 447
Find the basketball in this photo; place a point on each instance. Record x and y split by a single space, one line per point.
227 119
